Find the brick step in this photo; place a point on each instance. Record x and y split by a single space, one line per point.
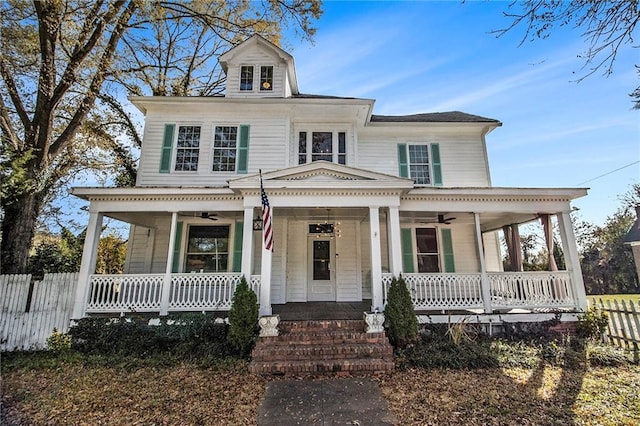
328 337
292 327
322 366
293 352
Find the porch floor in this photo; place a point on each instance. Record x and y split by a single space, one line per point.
321 310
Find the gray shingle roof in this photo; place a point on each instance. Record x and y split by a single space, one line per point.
433 117
633 235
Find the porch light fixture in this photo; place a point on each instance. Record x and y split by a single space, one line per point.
257 224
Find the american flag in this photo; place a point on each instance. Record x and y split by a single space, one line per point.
267 225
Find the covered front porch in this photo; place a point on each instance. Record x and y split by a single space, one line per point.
340 234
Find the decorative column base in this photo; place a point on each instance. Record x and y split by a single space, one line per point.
269 325
375 322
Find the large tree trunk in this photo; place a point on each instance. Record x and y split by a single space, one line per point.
18 228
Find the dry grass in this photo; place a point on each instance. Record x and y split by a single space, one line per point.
76 394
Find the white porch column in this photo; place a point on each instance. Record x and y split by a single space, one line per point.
246 267
376 264
88 264
166 283
572 258
484 278
395 244
265 281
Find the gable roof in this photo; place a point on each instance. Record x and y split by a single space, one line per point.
322 174
434 117
255 40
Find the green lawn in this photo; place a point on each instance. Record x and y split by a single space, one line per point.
611 297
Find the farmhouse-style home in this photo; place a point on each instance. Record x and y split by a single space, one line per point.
355 198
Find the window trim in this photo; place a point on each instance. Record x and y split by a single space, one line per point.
213 147
253 78
268 79
229 252
174 149
336 155
434 162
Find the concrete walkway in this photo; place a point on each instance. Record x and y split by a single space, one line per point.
330 401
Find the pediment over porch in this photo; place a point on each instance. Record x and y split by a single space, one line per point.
321 174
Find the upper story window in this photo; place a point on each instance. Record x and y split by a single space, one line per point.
187 149
266 77
246 77
327 146
231 149
419 169
420 162
225 143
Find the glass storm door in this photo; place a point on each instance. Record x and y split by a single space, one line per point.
321 272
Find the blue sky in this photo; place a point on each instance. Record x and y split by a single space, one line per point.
414 57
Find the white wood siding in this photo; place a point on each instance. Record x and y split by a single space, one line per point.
268 146
297 262
461 152
348 288
365 252
137 249
256 58
280 245
493 256
465 253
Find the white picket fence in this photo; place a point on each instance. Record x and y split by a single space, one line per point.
624 324
25 327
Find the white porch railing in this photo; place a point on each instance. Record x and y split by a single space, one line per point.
123 293
197 292
143 292
441 290
508 290
531 289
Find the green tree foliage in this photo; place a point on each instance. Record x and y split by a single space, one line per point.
607 264
606 27
63 253
243 318
63 66
400 319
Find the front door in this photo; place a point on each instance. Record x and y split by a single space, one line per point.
321 280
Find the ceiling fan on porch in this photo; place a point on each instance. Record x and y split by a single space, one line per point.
203 215
440 219
210 216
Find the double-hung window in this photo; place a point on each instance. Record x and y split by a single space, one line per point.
246 77
187 149
421 163
207 249
322 145
225 143
266 77
425 250
230 149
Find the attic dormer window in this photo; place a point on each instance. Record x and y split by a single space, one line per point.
266 77
246 77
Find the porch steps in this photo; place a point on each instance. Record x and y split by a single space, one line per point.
322 346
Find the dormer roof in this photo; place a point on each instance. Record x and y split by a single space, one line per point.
257 40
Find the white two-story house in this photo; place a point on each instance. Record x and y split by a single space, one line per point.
356 198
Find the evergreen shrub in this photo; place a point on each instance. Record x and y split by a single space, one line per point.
400 319
243 319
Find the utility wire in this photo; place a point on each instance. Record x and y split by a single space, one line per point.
608 173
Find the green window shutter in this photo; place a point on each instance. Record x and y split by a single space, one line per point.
447 250
403 163
176 248
436 165
407 250
243 149
167 147
237 247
